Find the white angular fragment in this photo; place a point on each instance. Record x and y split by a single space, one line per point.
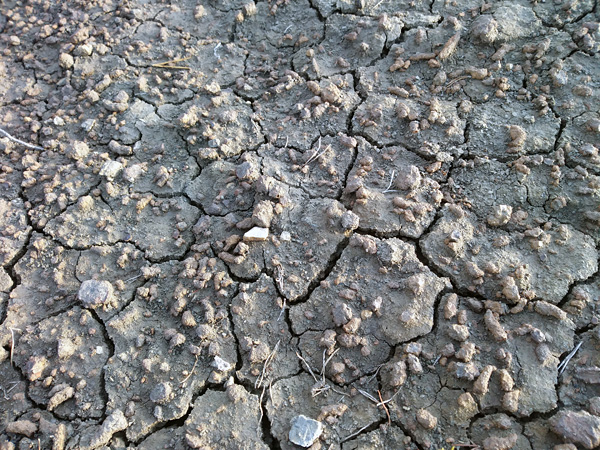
220 364
305 431
256 234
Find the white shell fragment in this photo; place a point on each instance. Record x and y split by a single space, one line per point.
256 234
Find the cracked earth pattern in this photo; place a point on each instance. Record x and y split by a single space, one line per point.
383 215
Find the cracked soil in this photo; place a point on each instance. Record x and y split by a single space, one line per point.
218 215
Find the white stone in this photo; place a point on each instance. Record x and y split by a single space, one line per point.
220 364
305 431
256 234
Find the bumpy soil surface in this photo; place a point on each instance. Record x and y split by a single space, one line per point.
382 215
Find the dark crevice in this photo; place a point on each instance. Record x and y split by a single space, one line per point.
323 274
573 285
267 433
347 173
239 359
10 268
37 405
111 351
175 424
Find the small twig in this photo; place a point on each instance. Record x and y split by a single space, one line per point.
327 362
133 278
456 80
382 403
12 343
356 433
387 189
283 306
563 365
268 361
6 392
19 141
169 64
316 153
216 50
367 395
286 30
191 372
260 408
375 374
307 366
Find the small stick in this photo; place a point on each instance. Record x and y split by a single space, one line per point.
327 362
356 433
384 407
379 402
12 343
316 153
14 385
307 366
563 365
216 50
367 395
19 141
375 374
133 278
387 189
191 372
286 30
456 80
314 158
389 399
282 309
268 361
260 408
167 64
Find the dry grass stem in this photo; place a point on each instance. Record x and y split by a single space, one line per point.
563 365
191 371
170 64
268 361
387 189
19 141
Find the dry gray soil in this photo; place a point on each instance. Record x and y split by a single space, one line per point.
382 215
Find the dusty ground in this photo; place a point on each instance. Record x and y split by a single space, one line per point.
382 215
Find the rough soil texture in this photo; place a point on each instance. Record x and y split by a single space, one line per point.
217 216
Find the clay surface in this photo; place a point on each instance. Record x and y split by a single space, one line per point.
324 224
